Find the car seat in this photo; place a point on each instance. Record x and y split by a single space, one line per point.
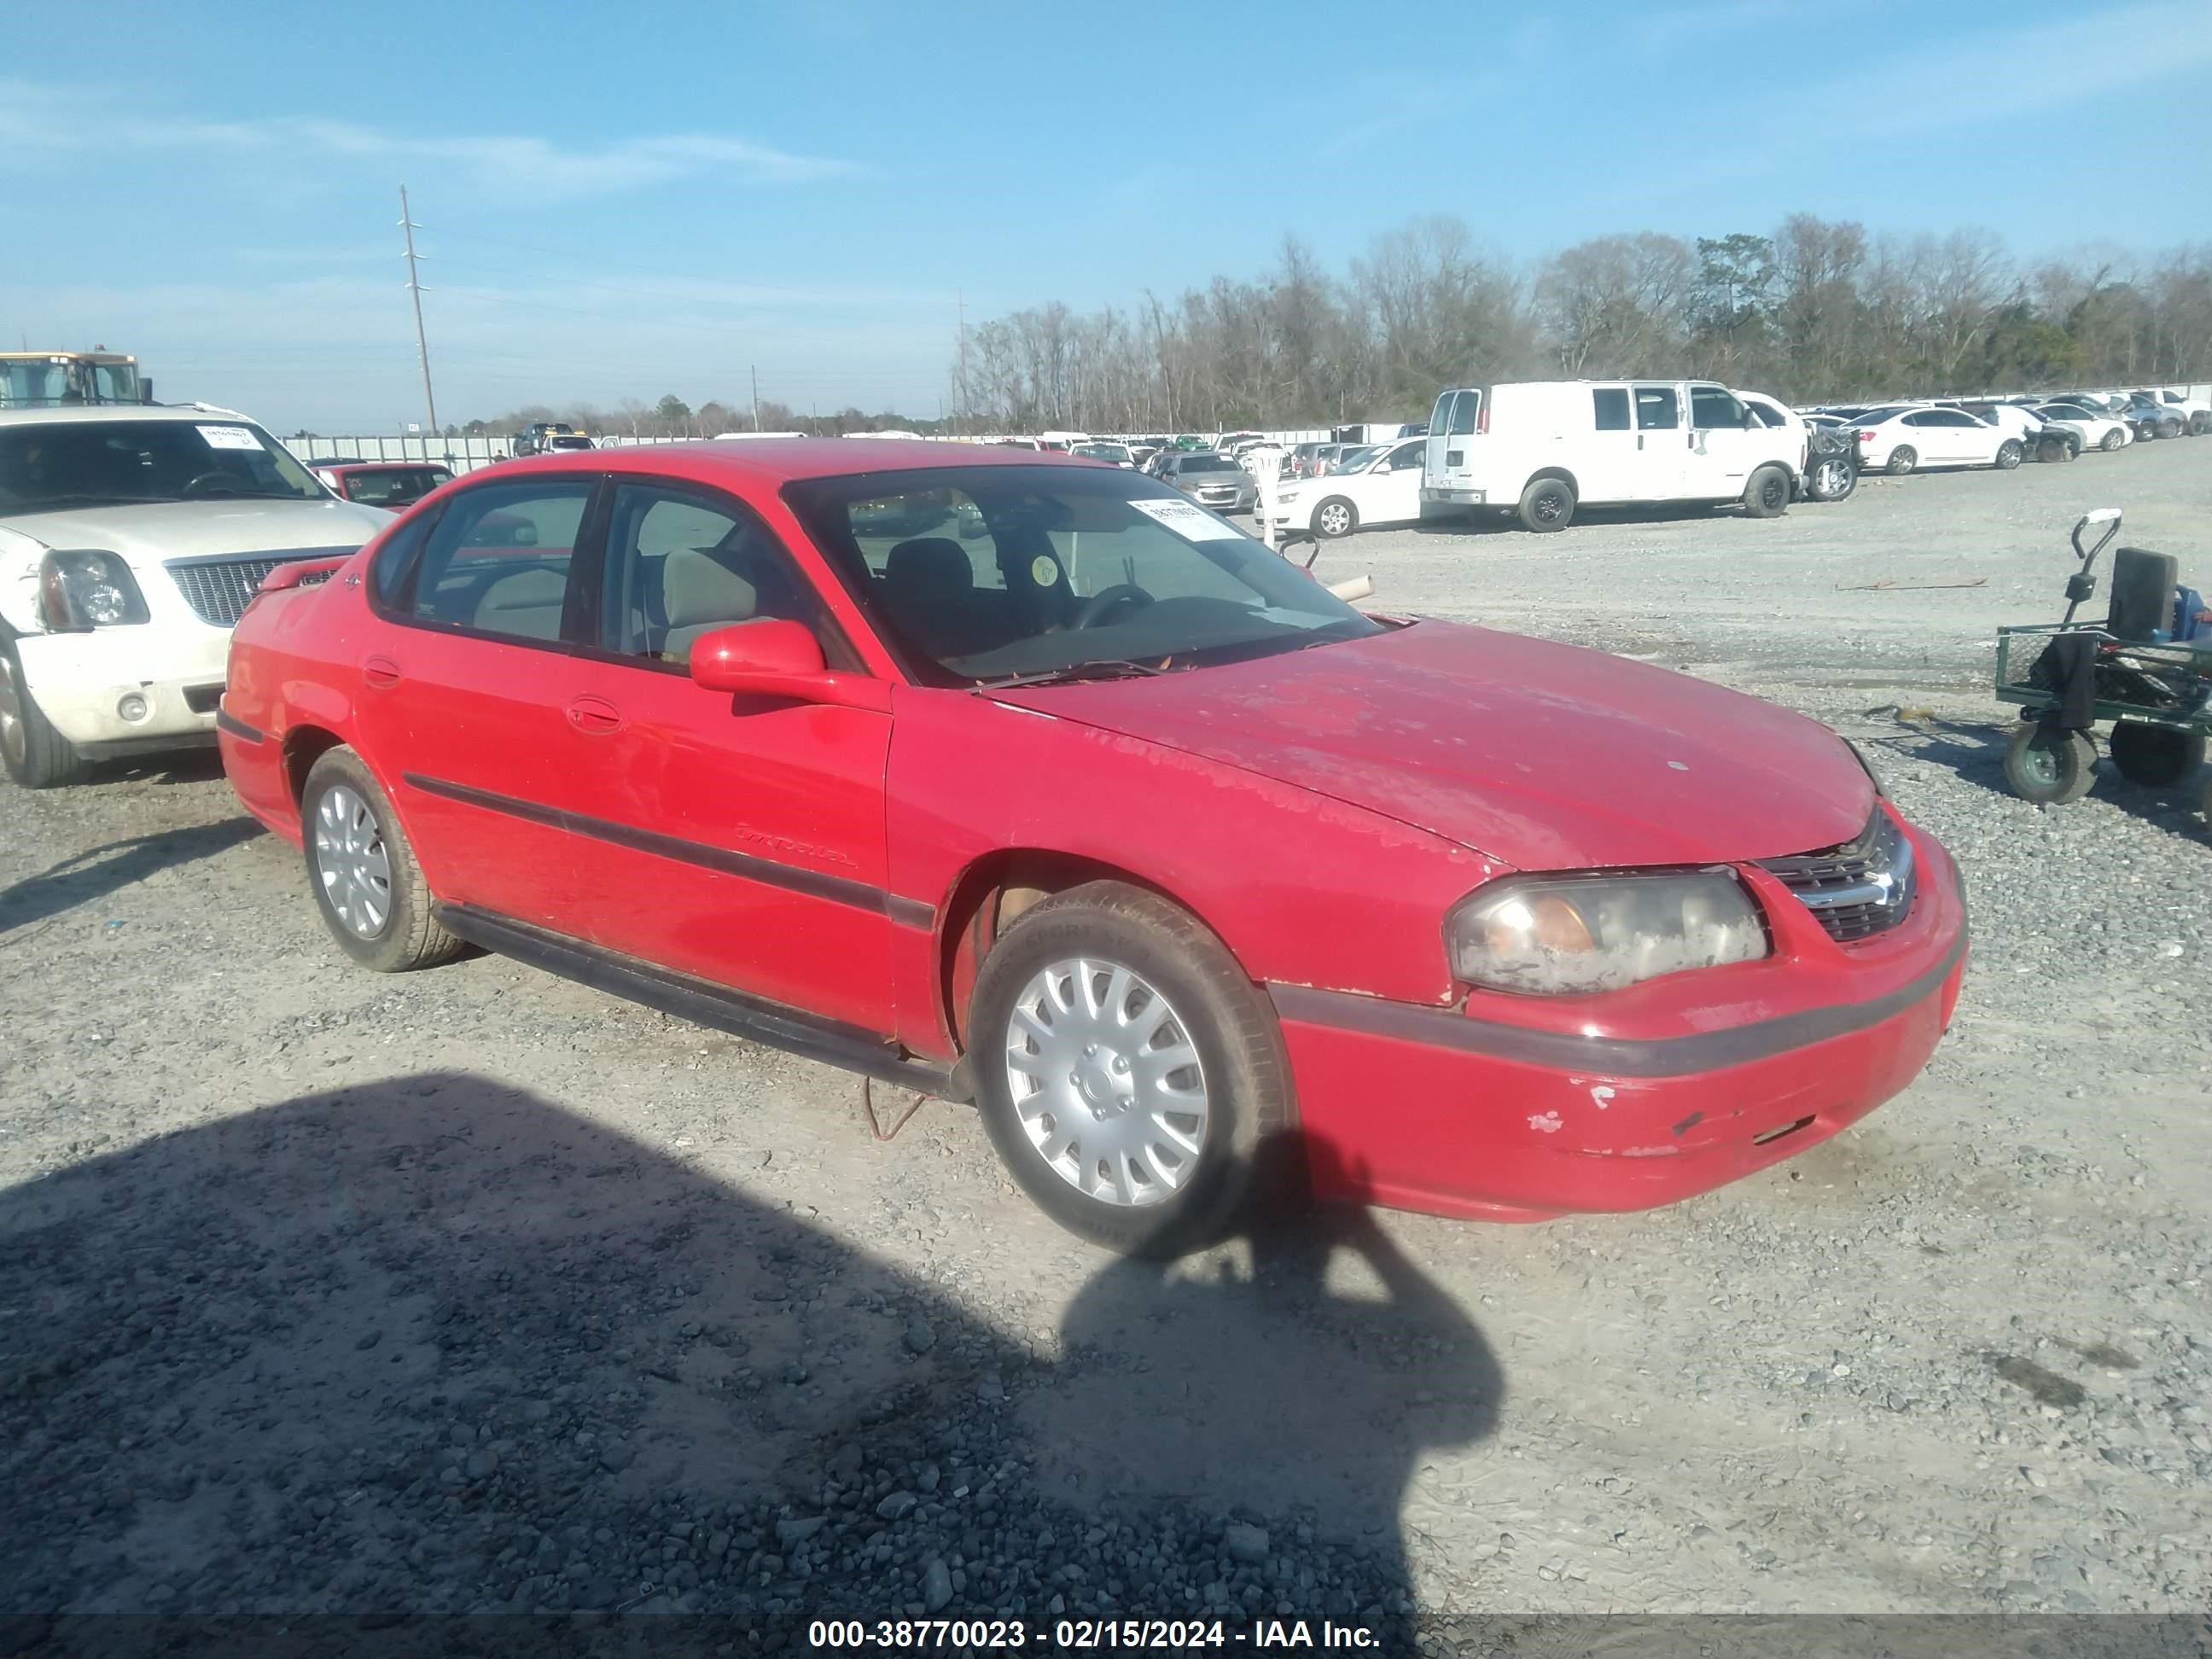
700 593
929 588
526 604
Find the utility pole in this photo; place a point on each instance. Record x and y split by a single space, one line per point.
755 373
961 300
407 229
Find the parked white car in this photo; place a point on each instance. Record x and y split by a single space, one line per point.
1542 448
2098 431
130 539
1384 489
1909 439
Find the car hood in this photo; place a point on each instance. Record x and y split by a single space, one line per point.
1545 756
146 534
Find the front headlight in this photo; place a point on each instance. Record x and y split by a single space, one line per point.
81 591
1561 935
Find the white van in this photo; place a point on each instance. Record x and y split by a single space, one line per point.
1542 448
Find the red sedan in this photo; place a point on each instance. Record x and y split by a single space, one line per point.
1030 783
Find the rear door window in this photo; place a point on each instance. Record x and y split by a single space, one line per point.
680 565
1464 413
1658 409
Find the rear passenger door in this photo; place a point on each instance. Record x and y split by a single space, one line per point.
1611 469
458 704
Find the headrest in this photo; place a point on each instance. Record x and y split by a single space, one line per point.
525 590
930 567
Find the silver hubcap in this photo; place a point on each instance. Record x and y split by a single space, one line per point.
13 738
351 862
1335 520
1831 477
1106 1083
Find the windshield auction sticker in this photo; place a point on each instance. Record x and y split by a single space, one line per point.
1191 523
230 437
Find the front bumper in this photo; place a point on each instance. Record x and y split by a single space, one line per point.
1457 1113
81 682
1433 497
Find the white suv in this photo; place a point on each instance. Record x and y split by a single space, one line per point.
130 539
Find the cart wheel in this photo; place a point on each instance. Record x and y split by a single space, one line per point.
2050 766
2155 756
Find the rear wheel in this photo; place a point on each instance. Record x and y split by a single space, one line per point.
1127 1070
2111 440
1547 504
2155 756
1833 480
2199 425
367 883
1335 517
2052 447
1902 460
2050 766
37 756
1767 496
2008 454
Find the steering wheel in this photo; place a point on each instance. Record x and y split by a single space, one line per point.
1095 608
195 486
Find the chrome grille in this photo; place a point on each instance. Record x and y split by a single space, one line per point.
218 587
1856 890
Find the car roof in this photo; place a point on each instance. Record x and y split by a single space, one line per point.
782 460
74 412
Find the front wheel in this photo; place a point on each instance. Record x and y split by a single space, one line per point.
36 756
2111 440
1127 1070
1902 460
2050 766
2200 425
1833 480
2008 454
367 883
1546 505
1335 517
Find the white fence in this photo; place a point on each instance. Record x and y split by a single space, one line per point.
459 454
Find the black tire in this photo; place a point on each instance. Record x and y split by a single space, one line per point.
1833 479
1767 495
2155 756
1334 510
1902 460
2199 425
2008 454
2053 448
409 936
2050 766
1546 505
1224 1018
2111 440
36 756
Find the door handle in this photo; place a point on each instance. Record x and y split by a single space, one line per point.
594 717
1639 440
380 673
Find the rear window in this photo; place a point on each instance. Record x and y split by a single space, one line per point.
1465 412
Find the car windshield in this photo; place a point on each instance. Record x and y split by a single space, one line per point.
393 486
1208 464
985 573
48 466
1350 460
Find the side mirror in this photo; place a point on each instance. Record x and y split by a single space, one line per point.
770 657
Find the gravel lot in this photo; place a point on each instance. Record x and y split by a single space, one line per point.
477 1290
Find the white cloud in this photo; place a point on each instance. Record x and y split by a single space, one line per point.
39 120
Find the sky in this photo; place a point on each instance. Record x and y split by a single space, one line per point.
619 202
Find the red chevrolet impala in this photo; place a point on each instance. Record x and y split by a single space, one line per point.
1029 781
